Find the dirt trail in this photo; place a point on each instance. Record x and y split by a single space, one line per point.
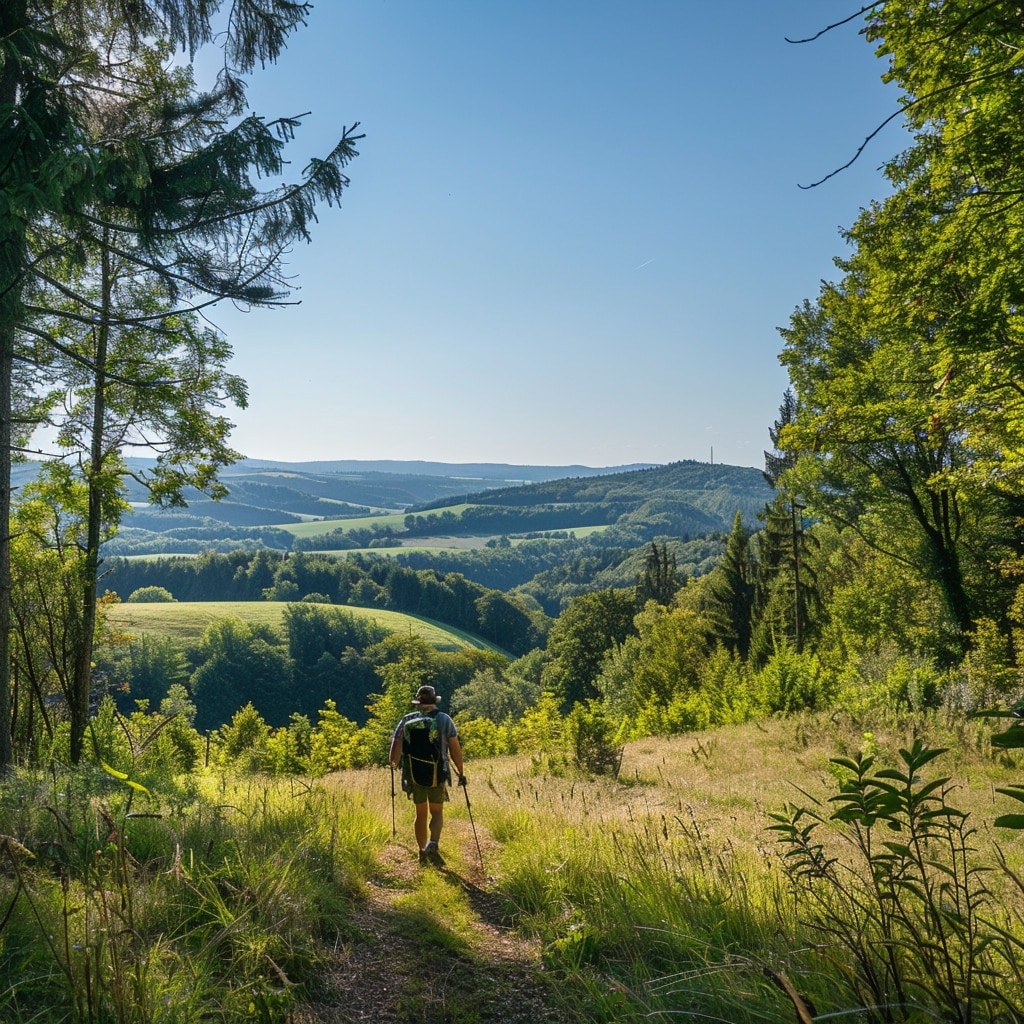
388 974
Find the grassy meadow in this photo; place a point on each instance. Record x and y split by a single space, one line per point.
395 520
565 899
187 620
666 892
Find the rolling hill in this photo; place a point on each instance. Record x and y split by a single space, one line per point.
331 507
550 538
187 620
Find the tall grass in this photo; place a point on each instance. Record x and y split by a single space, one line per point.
666 894
660 894
643 915
117 907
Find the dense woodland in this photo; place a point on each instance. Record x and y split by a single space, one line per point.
874 570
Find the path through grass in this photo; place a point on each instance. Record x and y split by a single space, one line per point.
432 942
605 901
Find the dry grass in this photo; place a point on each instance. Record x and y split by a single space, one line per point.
656 894
728 780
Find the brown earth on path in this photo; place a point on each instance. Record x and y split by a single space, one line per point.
382 973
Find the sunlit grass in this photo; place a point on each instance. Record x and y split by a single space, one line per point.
396 521
222 903
658 894
663 892
187 620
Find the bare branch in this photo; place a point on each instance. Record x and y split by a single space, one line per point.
838 24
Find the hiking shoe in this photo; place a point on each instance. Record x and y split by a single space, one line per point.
432 853
424 857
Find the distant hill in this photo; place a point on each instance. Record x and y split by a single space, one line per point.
269 502
501 472
549 539
266 493
687 479
683 498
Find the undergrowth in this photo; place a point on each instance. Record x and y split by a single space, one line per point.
801 867
120 907
876 898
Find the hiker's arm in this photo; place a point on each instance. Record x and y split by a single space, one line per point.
396 749
455 752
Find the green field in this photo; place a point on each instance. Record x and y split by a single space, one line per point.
433 545
186 620
421 545
425 549
396 521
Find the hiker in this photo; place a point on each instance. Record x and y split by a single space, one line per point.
426 743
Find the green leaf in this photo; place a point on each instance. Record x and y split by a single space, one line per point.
845 762
898 848
1012 738
1010 821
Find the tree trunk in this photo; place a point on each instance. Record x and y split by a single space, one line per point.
13 18
951 581
796 512
6 371
82 678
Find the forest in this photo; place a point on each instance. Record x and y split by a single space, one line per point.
862 592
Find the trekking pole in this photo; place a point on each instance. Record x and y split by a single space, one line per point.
394 829
464 788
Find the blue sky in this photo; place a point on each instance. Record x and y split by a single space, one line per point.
572 230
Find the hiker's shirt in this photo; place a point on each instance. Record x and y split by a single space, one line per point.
445 731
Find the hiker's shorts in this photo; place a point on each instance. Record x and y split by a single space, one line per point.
428 794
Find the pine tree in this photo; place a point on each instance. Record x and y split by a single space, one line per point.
784 588
125 159
660 579
728 602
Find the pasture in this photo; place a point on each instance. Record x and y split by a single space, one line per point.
187 620
395 520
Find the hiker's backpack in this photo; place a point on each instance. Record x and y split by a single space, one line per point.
421 748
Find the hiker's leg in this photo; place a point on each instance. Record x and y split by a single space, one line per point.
436 820
421 824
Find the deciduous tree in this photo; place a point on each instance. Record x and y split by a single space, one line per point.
591 626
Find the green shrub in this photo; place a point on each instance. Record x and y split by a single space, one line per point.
330 740
481 737
540 733
891 880
151 595
592 740
793 682
288 749
242 744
